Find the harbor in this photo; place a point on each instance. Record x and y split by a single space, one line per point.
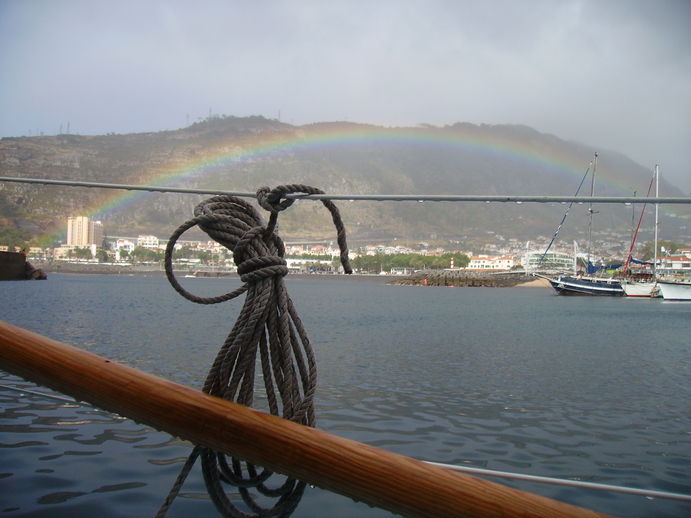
345 259
468 377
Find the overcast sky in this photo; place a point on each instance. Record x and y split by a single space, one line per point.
612 74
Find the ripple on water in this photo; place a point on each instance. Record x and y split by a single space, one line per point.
504 379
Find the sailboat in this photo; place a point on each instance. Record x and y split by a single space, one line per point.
636 287
576 284
581 285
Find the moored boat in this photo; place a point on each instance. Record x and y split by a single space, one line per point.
675 289
637 287
575 285
644 289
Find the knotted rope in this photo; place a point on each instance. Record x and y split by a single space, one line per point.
269 325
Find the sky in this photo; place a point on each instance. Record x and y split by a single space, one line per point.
613 74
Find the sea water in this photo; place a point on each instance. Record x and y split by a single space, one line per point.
512 379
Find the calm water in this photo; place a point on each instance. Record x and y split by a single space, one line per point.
518 379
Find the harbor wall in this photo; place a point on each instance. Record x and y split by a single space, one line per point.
465 278
14 267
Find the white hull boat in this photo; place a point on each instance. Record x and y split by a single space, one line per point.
644 287
640 289
675 290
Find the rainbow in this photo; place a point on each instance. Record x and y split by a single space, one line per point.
558 160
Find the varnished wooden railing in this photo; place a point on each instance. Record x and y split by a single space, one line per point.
377 477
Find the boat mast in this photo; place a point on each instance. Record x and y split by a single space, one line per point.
657 206
633 219
590 212
637 228
575 257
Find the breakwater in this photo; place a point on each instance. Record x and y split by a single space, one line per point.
15 267
464 278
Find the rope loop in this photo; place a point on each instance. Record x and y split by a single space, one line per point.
270 199
168 261
268 333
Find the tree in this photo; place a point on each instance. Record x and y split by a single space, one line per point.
82 253
138 255
141 254
670 247
380 262
459 260
10 237
102 255
369 263
204 256
184 253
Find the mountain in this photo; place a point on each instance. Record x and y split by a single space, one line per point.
243 154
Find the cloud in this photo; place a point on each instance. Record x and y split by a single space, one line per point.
613 74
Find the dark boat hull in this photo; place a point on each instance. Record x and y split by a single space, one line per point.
568 285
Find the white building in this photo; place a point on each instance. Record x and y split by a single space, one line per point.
537 260
491 262
151 242
120 245
675 262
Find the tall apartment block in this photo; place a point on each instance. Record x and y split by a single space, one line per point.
81 231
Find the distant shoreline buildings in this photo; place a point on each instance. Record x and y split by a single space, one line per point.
86 243
82 232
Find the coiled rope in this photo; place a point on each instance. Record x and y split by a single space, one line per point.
268 325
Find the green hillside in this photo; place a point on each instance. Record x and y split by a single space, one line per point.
242 154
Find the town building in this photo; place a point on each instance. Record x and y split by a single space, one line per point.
539 260
490 262
123 244
81 231
675 263
150 242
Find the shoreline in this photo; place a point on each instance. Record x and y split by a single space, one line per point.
470 279
435 278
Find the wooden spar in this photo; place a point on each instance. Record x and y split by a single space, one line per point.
377 477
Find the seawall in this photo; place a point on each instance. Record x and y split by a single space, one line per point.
15 267
464 278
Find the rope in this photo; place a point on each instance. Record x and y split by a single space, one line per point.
629 256
563 219
268 326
